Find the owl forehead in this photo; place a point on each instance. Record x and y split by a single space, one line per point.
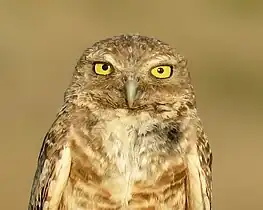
131 50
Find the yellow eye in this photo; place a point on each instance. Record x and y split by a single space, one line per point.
103 68
162 72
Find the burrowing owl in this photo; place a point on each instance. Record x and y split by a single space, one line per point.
128 135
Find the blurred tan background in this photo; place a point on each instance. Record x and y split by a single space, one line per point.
40 43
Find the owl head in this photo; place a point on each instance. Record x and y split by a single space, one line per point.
130 72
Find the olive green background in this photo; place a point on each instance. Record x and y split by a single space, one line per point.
40 42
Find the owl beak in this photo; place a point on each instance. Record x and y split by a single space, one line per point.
131 91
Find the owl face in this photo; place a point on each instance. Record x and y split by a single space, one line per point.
131 72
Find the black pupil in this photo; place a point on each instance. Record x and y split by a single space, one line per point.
160 70
105 67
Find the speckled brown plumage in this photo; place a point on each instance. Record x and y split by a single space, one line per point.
104 153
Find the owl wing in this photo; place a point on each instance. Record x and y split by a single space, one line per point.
52 171
200 173
205 158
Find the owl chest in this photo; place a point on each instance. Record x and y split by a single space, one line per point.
126 165
129 143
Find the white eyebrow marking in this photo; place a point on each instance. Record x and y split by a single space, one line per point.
160 60
109 58
104 57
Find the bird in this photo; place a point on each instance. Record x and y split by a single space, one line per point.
128 135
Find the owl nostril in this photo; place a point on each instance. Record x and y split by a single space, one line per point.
131 77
